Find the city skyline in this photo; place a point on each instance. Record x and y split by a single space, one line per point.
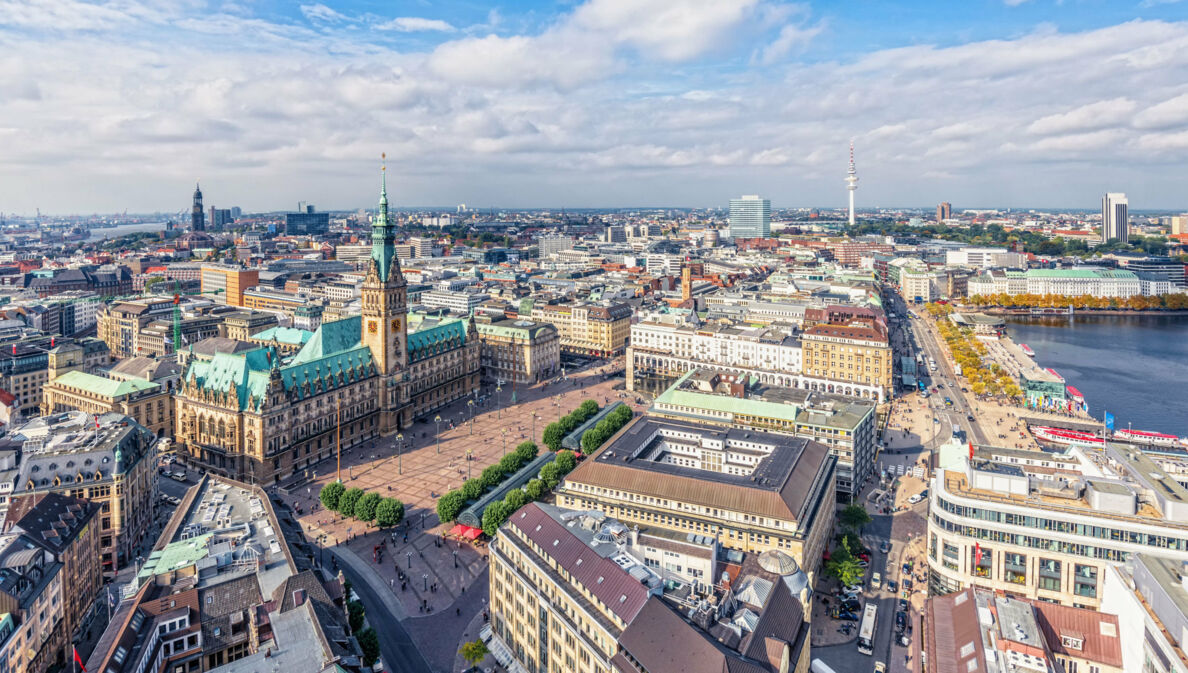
597 104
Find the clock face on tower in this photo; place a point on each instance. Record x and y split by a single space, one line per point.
396 325
372 327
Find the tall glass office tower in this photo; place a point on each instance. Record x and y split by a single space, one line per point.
750 217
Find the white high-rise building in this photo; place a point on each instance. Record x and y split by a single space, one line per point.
1115 223
750 217
851 183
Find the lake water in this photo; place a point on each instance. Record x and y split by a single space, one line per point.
1135 367
124 230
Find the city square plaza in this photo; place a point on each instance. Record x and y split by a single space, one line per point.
428 465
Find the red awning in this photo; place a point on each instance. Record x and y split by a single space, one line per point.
465 532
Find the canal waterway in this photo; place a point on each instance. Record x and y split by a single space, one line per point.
1135 367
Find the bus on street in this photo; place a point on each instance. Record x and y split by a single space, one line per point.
866 632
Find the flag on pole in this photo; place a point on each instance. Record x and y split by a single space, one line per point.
78 660
971 449
1109 421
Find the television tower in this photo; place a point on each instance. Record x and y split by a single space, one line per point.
852 182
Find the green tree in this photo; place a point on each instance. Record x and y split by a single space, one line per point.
527 450
843 565
510 463
491 477
365 508
450 505
330 494
553 434
355 614
346 504
854 517
472 489
389 512
565 462
535 489
515 500
569 424
550 475
369 643
493 517
474 651
592 439
587 409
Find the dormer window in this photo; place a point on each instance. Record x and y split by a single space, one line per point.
1072 642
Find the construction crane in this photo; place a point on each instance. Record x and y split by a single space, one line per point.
177 295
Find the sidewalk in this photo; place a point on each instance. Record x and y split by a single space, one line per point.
425 572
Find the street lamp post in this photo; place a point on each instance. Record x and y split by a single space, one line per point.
534 426
455 558
425 577
437 432
408 555
469 461
470 405
499 400
399 453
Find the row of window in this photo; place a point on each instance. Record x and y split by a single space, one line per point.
1065 526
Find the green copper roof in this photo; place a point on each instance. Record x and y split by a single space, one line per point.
437 338
177 555
104 386
510 329
333 356
331 337
383 235
284 335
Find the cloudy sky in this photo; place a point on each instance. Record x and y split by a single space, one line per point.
106 106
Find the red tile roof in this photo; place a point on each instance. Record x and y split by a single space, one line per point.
1097 631
621 593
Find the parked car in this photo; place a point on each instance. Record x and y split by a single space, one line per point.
907 584
880 667
885 547
852 589
178 476
916 499
864 563
891 586
903 605
851 605
876 580
900 621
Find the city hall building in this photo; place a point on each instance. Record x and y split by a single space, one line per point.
259 416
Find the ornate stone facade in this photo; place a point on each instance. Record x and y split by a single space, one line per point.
260 416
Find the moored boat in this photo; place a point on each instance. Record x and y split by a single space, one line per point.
1066 437
1145 437
1027 350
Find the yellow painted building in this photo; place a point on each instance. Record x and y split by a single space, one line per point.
588 329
